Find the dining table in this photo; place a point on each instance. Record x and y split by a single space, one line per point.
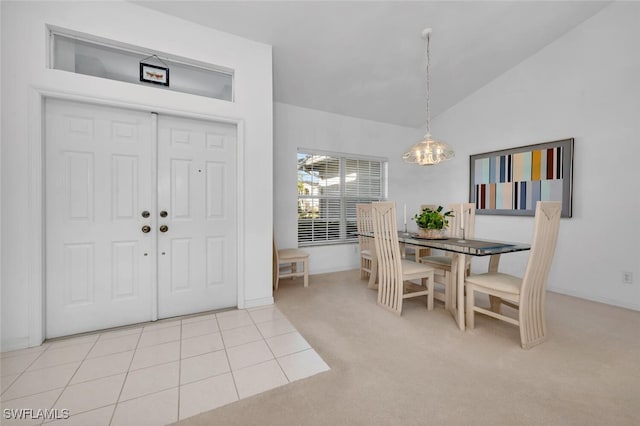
459 249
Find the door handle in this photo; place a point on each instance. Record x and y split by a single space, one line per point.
145 214
146 229
164 228
163 213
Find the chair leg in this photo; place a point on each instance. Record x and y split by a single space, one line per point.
294 269
373 276
469 311
528 344
453 289
367 272
365 268
495 303
305 265
431 288
448 287
533 328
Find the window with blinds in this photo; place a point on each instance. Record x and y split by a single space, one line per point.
329 187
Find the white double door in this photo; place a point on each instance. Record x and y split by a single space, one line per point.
140 216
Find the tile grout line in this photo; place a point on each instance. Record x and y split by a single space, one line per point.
83 412
295 330
86 381
125 377
49 347
226 354
276 358
10 384
210 377
219 330
51 366
32 348
180 371
147 394
74 373
22 372
144 368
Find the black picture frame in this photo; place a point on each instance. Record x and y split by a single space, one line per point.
154 74
510 181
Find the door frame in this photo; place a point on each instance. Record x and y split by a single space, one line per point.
36 277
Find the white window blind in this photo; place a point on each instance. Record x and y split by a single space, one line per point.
329 187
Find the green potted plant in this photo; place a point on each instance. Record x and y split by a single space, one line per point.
433 223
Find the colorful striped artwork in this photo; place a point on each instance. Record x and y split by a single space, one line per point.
513 181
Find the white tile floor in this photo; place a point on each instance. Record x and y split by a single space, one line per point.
157 373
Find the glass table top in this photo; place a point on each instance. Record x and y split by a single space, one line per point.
468 246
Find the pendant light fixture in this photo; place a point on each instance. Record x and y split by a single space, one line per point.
428 151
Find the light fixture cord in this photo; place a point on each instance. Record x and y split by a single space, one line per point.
428 134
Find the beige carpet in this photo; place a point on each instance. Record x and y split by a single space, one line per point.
419 369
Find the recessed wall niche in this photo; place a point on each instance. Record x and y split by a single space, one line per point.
99 59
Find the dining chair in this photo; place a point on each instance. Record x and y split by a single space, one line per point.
444 275
526 294
418 251
285 264
394 273
364 224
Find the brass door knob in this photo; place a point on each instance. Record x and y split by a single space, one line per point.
164 228
146 229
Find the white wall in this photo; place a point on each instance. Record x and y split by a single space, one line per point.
1 144
584 85
24 75
296 127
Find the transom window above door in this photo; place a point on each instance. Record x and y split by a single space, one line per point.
329 187
117 61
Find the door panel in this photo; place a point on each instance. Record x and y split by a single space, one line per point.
98 180
196 186
102 271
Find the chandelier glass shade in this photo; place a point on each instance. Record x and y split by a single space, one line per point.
428 151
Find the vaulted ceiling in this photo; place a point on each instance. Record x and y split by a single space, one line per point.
367 59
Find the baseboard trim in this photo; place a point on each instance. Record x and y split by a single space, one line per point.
606 301
253 303
330 270
15 344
